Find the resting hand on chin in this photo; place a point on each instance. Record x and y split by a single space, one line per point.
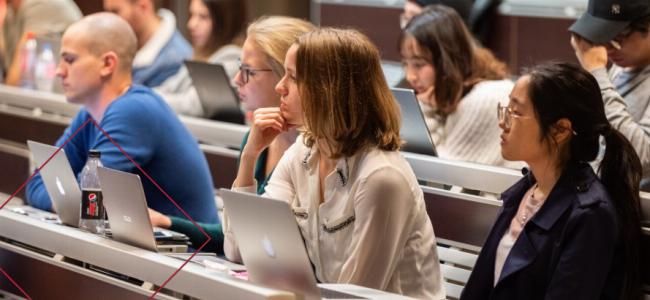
267 124
427 97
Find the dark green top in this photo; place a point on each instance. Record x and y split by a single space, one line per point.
215 231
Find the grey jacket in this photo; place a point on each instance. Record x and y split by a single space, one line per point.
626 95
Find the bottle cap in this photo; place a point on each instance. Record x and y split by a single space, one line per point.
30 35
95 153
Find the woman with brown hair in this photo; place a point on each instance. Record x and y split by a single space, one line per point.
355 198
216 29
457 83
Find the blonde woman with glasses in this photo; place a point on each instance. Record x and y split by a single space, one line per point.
260 69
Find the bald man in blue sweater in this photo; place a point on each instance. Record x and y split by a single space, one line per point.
96 58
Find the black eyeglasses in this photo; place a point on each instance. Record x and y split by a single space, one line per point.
246 71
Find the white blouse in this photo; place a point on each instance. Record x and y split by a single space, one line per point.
372 229
471 133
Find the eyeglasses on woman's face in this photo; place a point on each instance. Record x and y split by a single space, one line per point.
247 72
505 114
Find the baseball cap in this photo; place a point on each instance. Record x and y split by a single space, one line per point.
605 19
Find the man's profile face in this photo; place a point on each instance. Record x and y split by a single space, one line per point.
634 50
79 69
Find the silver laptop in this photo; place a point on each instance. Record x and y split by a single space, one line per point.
274 256
414 128
217 96
60 182
393 72
126 207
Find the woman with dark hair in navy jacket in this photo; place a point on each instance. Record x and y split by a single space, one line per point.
563 232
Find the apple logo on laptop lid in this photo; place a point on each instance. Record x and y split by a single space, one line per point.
59 185
268 247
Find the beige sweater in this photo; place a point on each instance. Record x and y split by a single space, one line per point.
472 132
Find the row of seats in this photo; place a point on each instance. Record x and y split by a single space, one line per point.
461 220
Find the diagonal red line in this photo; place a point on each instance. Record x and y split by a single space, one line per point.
90 119
168 198
15 284
22 186
181 267
150 179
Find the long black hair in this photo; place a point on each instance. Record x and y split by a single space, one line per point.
562 90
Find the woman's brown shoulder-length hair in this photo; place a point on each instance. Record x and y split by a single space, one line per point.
345 98
457 61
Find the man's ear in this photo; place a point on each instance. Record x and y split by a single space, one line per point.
562 130
110 62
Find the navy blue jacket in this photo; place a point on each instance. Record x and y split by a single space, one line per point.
570 249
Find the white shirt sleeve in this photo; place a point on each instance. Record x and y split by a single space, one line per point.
383 218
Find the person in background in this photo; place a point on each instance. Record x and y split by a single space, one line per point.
216 30
619 30
95 70
19 17
413 8
161 47
265 48
357 202
458 84
563 231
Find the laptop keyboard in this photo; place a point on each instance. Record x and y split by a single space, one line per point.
332 294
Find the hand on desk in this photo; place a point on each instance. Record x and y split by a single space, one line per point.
159 220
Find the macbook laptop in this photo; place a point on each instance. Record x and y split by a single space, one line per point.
393 72
60 182
218 98
126 207
414 128
274 256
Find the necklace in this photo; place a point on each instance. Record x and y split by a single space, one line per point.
530 207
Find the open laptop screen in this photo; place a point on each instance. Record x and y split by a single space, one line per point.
414 128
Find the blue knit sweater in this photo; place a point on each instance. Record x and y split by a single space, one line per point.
146 128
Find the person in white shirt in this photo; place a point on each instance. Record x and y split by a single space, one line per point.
458 83
356 199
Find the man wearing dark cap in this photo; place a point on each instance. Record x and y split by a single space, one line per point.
619 30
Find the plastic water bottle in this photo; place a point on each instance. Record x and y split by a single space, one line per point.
92 205
45 72
28 61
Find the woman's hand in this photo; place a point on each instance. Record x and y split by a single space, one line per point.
267 124
427 97
159 220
